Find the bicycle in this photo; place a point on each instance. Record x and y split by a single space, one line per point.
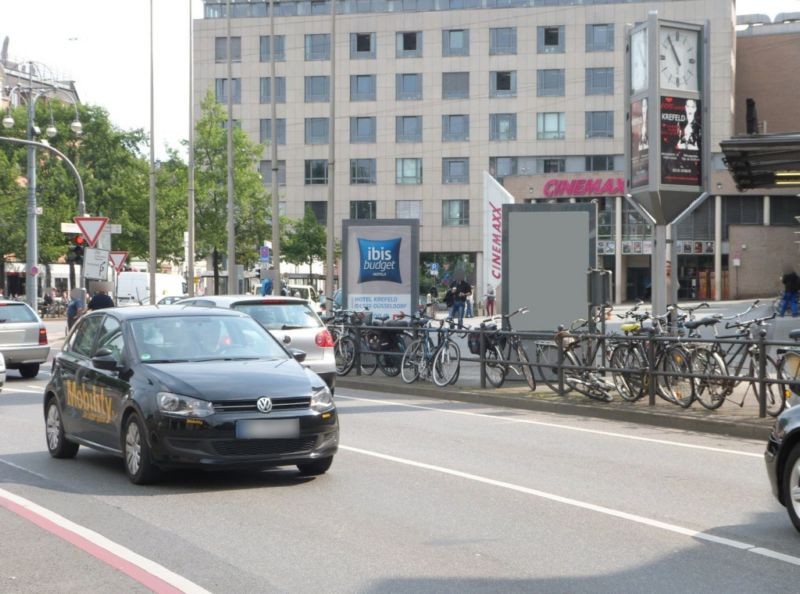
439 361
499 349
342 327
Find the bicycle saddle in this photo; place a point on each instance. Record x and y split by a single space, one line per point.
795 334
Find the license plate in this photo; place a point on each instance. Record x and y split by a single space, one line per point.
267 428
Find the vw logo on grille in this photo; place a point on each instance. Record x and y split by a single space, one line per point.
264 404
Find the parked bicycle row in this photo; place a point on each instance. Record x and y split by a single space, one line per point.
655 356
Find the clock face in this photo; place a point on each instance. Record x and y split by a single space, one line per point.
639 61
678 60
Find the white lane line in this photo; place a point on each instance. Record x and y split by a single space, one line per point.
735 544
152 575
558 426
13 390
28 470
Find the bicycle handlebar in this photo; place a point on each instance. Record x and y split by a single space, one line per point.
748 323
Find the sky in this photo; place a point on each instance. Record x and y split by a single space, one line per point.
104 45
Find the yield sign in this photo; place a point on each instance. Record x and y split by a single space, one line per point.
117 259
91 227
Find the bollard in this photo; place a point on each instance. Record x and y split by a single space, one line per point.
358 350
482 354
651 368
762 373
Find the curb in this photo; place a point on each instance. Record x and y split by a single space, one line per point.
758 429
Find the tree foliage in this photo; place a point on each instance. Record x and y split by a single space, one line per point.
305 241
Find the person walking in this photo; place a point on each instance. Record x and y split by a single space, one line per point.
791 285
74 309
460 289
489 299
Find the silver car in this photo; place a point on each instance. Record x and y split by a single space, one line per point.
23 338
289 319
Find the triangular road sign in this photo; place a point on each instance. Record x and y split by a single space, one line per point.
118 259
91 227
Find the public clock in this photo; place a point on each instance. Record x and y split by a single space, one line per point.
678 59
639 61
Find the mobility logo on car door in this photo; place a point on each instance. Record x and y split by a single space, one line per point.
381 265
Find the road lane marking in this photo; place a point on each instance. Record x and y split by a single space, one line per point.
558 426
635 518
150 574
28 470
12 390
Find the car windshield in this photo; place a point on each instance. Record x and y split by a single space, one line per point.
16 312
279 315
202 338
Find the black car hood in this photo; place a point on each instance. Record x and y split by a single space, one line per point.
234 380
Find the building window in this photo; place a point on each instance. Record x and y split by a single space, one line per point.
550 83
503 41
600 163
363 171
550 125
362 129
599 124
265 168
221 90
409 86
237 125
316 172
317 130
408 129
599 81
221 49
455 42
455 213
501 167
455 127
318 46
362 87
265 131
264 48
550 40
503 126
409 44
600 38
455 85
362 46
317 89
408 209
409 171
320 210
553 165
363 209
264 89
503 83
455 171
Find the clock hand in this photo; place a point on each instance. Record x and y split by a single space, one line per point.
674 53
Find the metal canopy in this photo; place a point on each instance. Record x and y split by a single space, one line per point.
763 160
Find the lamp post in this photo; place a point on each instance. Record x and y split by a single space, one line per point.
32 229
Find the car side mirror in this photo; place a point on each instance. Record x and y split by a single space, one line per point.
298 355
104 359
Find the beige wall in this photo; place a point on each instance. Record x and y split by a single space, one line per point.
768 250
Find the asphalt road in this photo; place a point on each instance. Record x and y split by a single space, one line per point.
424 496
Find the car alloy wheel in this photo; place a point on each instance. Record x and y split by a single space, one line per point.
133 448
793 490
53 428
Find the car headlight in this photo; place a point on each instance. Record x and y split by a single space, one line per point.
321 399
183 406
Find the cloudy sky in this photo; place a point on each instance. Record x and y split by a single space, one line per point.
104 46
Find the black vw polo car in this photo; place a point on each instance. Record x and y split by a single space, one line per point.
166 387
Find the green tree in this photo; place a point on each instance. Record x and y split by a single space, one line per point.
12 211
305 241
251 204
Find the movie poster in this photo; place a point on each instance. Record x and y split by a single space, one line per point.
640 148
681 141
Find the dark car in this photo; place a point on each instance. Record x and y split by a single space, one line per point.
783 461
197 387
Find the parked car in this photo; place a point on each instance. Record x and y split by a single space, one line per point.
166 387
306 292
783 461
2 372
290 319
23 338
170 299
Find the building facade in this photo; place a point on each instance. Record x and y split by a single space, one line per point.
431 93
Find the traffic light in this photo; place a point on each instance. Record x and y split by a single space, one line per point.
75 253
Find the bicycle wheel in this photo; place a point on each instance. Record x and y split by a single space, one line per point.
446 364
495 371
527 368
775 393
630 384
369 361
678 389
412 360
344 352
547 362
390 363
710 391
584 381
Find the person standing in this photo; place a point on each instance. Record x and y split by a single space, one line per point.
266 286
101 300
489 299
791 285
460 289
74 309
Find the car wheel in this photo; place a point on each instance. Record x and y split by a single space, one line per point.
138 465
316 467
57 444
790 485
29 370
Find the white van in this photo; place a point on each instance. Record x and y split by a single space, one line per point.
306 292
133 288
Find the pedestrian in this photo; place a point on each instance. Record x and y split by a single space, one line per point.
791 285
266 286
101 300
323 302
468 313
460 289
489 299
75 308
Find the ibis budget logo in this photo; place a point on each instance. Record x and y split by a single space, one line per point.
379 260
